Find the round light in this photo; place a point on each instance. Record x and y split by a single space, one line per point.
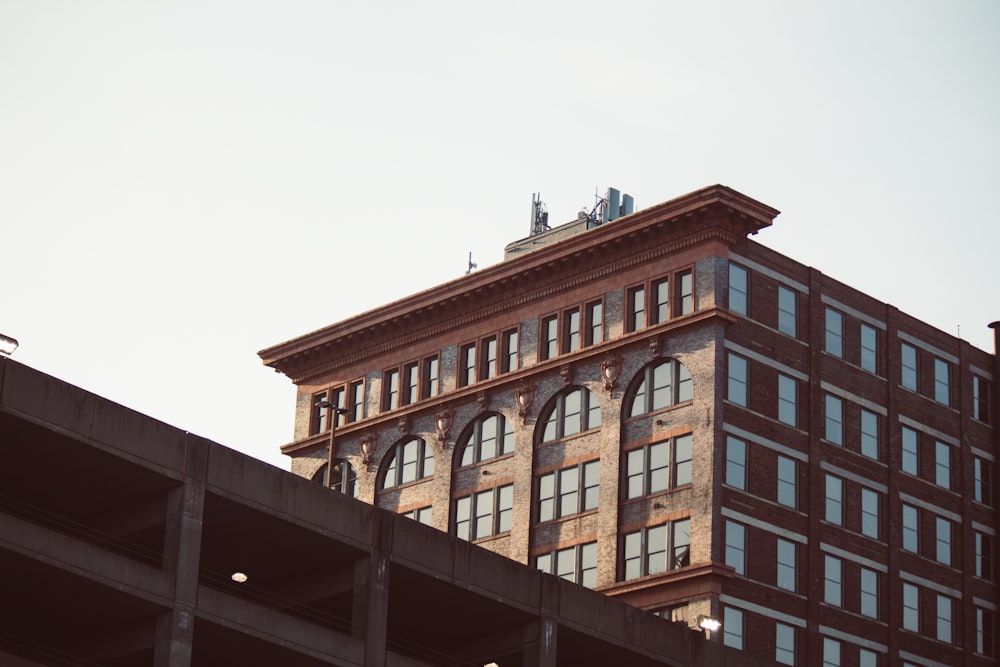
239 577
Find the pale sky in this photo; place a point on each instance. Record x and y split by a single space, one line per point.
185 183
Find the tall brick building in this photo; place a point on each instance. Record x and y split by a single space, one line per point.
666 411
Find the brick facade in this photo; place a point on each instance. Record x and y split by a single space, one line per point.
791 379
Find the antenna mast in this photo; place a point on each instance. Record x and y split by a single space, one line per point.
539 215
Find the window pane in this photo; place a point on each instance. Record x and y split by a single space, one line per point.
736 462
682 460
832 586
738 289
834 333
910 535
942 465
834 420
869 513
736 546
656 549
941 387
787 494
909 462
786 312
737 387
786 565
784 644
658 470
909 369
834 500
787 390
869 434
869 339
732 628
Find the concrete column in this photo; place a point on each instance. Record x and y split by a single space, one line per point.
541 635
182 556
370 614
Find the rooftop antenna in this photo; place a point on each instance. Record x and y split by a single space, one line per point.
472 265
611 206
539 215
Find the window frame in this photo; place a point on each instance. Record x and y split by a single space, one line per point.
870 512
784 643
833 412
981 405
586 490
389 464
674 550
910 455
983 547
583 573
472 435
869 352
674 447
788 319
739 289
945 625
942 464
644 303
870 435
345 481
910 619
737 379
910 527
868 592
833 581
736 462
788 400
834 332
784 482
499 516
733 627
942 381
786 561
943 538
679 388
834 506
736 546
554 412
909 367
338 396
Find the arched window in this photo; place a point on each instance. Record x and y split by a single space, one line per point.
407 461
345 478
659 385
568 413
485 438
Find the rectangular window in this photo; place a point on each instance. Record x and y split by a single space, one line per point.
509 356
636 302
942 465
984 632
645 551
834 333
910 458
411 384
568 491
594 332
909 366
834 420
831 652
577 564
981 399
737 387
736 462
835 500
390 389
571 330
655 467
431 387
420 515
787 400
942 530
736 546
867 658
942 392
549 338
787 319
784 644
869 434
732 628
786 565
485 513
911 530
317 422
982 481
355 400
467 365
984 556
911 607
944 633
832 585
738 290
869 513
660 308
488 361
869 593
869 348
787 487
685 293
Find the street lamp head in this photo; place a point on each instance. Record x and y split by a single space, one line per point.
7 345
327 405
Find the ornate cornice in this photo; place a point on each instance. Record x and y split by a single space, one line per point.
716 213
